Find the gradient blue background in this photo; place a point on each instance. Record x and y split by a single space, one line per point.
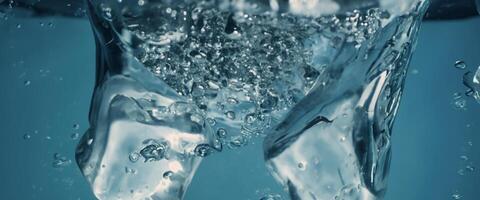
430 135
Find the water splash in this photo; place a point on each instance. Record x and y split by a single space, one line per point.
176 81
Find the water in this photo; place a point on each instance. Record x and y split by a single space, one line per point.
430 156
195 77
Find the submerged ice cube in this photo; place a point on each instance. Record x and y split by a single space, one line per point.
142 141
165 142
335 143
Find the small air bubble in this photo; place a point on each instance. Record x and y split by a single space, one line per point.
27 136
76 126
107 13
211 121
221 133
460 64
60 161
203 150
232 100
230 115
167 174
470 168
302 166
75 136
456 196
130 170
459 102
134 157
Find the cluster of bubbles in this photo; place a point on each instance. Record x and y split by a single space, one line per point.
244 71
459 101
60 161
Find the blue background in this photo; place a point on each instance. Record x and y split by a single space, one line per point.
57 58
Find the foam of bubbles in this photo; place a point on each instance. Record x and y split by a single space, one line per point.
244 71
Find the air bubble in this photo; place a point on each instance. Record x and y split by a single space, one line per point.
232 100
456 196
238 141
470 168
76 126
459 102
107 13
75 136
460 64
167 174
130 170
60 161
271 197
211 121
230 115
134 157
302 166
222 133
203 150
153 152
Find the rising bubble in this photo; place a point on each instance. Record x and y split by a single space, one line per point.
460 64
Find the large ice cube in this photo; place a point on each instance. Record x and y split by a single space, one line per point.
335 143
144 142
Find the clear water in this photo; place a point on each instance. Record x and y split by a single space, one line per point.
152 152
178 81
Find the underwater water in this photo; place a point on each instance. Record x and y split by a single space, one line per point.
48 70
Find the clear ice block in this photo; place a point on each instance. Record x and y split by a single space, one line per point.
336 142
